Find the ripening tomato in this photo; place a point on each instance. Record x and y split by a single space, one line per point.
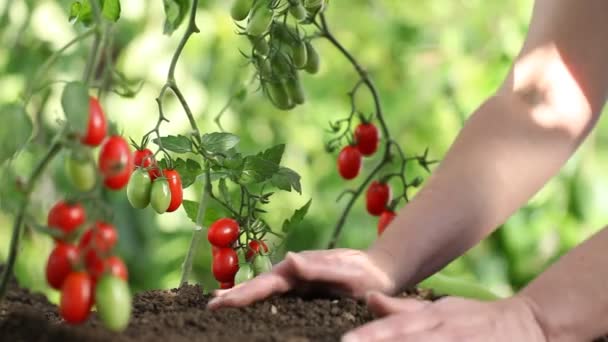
175 185
160 195
60 264
81 172
145 159
115 158
254 249
66 217
114 302
225 265
97 126
349 162
76 297
223 232
227 285
385 219
377 197
244 274
261 264
367 138
116 267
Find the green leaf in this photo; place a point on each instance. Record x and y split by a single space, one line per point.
81 11
287 179
257 170
191 208
188 170
219 142
75 102
296 218
273 154
177 144
111 9
15 131
175 12
213 212
224 191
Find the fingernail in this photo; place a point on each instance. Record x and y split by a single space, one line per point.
350 338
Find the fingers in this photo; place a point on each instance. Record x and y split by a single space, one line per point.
394 327
382 305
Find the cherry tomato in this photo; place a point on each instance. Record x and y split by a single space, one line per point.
223 232
145 159
367 138
100 238
97 126
114 302
81 172
225 265
160 195
139 188
227 285
66 217
254 249
377 197
177 193
115 158
385 219
118 181
60 264
349 162
261 264
76 298
116 267
214 250
244 274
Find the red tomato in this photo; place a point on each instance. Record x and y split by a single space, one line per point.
66 217
102 237
145 159
95 265
118 181
377 197
214 250
76 298
367 138
97 126
223 232
349 162
175 185
116 267
60 264
385 219
254 248
225 265
115 157
227 285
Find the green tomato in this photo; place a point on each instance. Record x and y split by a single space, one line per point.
244 274
281 66
295 90
300 55
279 96
261 264
81 171
260 45
314 6
160 195
313 62
240 9
260 19
139 188
263 66
114 302
298 11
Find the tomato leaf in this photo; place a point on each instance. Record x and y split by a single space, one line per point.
177 144
175 12
219 142
297 217
75 102
82 11
273 154
213 211
111 9
15 131
188 170
257 170
287 179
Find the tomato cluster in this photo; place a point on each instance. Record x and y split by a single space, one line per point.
223 235
151 186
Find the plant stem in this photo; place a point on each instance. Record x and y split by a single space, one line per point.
325 32
198 229
18 224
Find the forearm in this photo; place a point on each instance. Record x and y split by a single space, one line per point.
570 299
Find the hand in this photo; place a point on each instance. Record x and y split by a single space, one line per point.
448 319
339 272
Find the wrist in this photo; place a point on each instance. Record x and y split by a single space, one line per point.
551 332
386 261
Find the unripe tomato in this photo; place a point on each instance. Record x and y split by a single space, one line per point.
385 219
115 157
223 232
66 217
240 9
367 138
76 298
228 285
377 197
97 125
260 45
297 10
160 195
277 91
116 267
113 300
313 61
225 265
349 162
254 249
295 90
60 264
244 274
260 18
300 54
81 172
175 186
261 264
139 188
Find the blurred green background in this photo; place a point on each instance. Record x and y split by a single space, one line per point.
414 50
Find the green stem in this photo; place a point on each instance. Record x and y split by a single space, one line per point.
93 57
198 229
18 224
450 286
